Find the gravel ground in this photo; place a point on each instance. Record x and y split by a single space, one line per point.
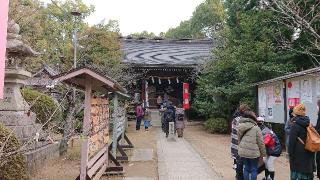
67 168
215 149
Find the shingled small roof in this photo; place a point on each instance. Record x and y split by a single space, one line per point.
289 76
47 69
160 52
77 77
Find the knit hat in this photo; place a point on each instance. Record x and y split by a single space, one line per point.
260 119
299 110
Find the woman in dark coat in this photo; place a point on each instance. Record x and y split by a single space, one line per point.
318 129
301 160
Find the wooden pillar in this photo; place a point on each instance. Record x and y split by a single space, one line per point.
115 125
86 129
143 88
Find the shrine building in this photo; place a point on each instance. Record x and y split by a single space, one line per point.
165 65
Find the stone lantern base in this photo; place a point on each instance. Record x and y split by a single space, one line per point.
15 114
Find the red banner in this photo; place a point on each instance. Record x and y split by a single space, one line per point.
186 96
4 5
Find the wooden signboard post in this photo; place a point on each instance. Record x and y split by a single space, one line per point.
94 165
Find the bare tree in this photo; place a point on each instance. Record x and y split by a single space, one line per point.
299 16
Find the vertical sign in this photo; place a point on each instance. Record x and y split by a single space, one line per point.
293 93
4 6
186 96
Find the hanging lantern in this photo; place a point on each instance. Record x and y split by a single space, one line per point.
152 79
159 81
169 81
177 80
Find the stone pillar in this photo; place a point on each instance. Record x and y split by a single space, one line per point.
14 110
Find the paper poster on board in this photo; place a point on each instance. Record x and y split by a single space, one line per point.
318 86
262 112
262 101
292 102
293 89
270 113
277 94
306 91
269 94
262 97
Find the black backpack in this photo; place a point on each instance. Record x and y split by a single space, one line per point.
169 115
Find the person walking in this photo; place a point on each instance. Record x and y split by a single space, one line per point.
273 148
180 124
318 130
237 162
169 116
161 112
139 114
251 146
288 126
159 101
147 120
301 160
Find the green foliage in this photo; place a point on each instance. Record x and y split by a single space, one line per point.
143 34
216 125
249 54
184 30
101 47
45 27
207 18
12 166
43 106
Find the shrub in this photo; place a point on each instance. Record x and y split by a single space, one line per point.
14 166
216 125
43 107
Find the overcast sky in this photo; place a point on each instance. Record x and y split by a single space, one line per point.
139 15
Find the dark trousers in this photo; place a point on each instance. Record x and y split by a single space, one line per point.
318 163
138 123
239 169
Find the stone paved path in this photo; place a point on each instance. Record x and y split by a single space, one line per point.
177 160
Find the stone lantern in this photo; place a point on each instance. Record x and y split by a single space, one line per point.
14 110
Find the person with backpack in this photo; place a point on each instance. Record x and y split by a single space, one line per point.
161 111
301 160
169 116
139 114
288 125
251 146
318 130
180 125
273 148
237 162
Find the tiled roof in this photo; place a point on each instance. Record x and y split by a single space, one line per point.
50 71
166 52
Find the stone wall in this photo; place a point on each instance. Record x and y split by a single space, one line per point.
36 159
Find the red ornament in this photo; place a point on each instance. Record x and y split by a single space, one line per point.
289 85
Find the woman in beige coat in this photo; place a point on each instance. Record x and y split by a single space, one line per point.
251 145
